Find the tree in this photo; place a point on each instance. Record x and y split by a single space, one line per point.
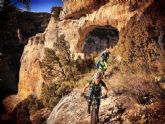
8 5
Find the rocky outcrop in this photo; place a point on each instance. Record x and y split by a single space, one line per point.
32 55
30 78
76 8
70 111
10 103
78 115
141 41
52 29
16 28
116 15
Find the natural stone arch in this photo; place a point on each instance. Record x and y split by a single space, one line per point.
116 15
79 46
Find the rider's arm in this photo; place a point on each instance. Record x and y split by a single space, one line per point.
85 87
105 87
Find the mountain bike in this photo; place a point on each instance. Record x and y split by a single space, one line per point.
94 112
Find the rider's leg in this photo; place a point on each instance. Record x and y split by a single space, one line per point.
89 100
89 105
89 109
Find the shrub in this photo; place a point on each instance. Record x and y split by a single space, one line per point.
52 93
57 64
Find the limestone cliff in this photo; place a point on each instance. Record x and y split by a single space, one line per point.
31 80
16 28
115 14
141 42
78 8
30 67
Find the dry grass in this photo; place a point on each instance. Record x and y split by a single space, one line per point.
141 96
84 79
136 85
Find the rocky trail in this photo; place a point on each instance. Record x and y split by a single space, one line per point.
77 113
120 106
126 104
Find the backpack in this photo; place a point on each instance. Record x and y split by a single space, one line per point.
97 63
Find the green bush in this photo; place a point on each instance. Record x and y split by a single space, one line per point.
57 63
52 93
60 72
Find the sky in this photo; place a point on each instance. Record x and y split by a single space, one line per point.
41 5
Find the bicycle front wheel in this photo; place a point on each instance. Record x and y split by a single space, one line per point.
94 116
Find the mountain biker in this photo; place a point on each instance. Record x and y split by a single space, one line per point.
105 54
103 60
102 65
95 86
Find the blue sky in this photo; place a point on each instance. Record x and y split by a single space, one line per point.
41 5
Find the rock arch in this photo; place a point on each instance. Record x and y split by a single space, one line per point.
99 38
116 15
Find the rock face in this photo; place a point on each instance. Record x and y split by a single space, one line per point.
16 28
31 68
77 9
115 14
78 115
70 111
31 79
142 41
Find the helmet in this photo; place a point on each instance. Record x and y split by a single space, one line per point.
103 57
98 75
107 51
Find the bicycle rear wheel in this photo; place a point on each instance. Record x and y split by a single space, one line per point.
94 116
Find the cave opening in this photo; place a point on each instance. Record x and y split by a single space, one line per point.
94 41
99 39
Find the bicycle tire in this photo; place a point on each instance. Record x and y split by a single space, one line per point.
94 116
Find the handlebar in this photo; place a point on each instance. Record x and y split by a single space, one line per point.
93 97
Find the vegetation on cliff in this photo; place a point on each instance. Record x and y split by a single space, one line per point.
59 73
